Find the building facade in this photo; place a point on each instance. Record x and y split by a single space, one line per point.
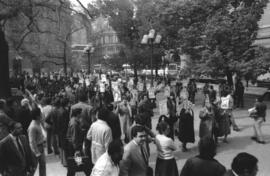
105 40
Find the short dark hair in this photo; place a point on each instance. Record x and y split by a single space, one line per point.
162 127
137 129
115 146
207 147
103 113
57 102
76 112
64 102
138 119
260 99
35 113
82 96
244 162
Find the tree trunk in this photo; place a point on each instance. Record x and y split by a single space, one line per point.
65 61
4 67
135 74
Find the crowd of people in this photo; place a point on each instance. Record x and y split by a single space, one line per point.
83 119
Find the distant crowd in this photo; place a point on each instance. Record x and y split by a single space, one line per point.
104 127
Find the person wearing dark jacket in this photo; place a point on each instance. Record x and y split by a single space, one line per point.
260 109
16 157
5 120
75 139
171 104
24 115
204 163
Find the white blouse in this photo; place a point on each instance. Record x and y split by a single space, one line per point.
165 147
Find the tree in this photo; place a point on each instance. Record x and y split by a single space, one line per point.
217 34
27 26
229 40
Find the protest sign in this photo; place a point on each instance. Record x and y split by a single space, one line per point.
140 86
151 93
167 91
101 87
163 109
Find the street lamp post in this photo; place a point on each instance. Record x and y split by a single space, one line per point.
89 49
152 38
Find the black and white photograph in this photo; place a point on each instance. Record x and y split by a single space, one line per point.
134 87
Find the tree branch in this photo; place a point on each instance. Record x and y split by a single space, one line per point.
85 9
53 56
52 62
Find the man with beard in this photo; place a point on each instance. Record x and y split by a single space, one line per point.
108 163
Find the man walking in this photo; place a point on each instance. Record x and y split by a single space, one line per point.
37 140
260 108
5 121
135 159
108 163
100 135
16 157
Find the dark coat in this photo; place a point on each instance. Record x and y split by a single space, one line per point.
24 117
5 123
186 127
207 123
14 163
63 122
198 166
75 135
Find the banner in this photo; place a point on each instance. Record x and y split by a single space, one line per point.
151 93
102 87
103 78
116 92
140 86
117 95
163 109
167 91
148 86
130 84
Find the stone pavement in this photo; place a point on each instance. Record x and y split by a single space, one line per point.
238 142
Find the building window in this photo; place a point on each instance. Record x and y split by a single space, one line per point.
111 39
116 39
106 39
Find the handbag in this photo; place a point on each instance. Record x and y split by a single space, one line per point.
252 112
78 164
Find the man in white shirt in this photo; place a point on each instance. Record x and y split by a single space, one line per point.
108 163
100 135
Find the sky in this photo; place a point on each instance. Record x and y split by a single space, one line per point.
84 2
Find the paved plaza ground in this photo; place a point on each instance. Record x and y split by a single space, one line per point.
238 142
